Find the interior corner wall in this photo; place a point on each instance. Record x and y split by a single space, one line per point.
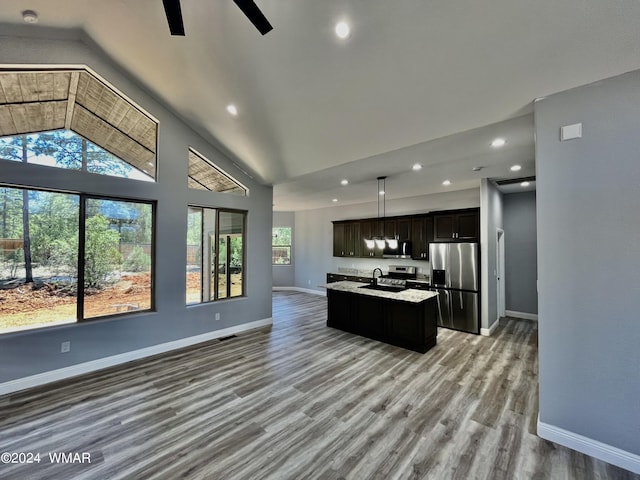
521 270
490 222
284 275
588 206
36 353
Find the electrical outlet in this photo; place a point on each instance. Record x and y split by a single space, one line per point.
65 347
217 316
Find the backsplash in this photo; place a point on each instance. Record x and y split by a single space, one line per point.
364 267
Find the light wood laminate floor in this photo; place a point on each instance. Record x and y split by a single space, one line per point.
301 401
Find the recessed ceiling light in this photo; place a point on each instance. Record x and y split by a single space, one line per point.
498 142
515 168
231 108
344 182
477 169
334 200
524 184
29 16
381 192
342 29
446 183
417 167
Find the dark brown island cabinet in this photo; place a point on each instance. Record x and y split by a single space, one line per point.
410 325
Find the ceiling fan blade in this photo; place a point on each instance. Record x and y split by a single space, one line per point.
254 14
174 16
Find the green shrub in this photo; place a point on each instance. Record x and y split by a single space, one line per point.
137 261
101 252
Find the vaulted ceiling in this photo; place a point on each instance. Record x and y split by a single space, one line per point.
416 81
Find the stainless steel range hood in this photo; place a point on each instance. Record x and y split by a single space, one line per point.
403 250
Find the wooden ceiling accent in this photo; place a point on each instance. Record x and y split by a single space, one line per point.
203 175
97 131
35 101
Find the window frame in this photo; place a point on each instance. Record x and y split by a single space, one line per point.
290 257
80 292
81 251
204 244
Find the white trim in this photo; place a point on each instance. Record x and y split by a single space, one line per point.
299 289
500 270
487 332
588 446
526 316
87 367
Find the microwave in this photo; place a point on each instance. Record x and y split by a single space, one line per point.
402 251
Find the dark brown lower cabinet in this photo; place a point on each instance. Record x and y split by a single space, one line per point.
404 324
371 318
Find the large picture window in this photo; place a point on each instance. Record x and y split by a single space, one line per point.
51 243
215 254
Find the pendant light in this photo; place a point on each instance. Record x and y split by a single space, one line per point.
376 241
382 192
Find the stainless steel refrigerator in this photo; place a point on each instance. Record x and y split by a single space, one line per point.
454 275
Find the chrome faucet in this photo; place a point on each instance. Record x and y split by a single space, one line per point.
375 279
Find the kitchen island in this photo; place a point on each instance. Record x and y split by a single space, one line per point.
404 318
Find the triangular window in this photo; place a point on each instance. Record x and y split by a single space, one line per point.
66 149
204 175
86 123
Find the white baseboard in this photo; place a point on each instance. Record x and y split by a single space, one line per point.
300 289
588 446
487 332
87 367
526 316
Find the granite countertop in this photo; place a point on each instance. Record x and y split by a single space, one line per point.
410 295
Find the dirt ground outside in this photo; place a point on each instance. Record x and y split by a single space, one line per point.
43 303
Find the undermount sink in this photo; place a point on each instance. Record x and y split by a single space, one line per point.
385 288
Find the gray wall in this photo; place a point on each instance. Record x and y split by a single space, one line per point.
521 271
588 208
283 275
314 234
490 222
29 353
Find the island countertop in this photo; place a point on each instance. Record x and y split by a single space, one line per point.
409 295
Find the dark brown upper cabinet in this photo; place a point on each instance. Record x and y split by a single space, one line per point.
398 228
338 240
368 230
346 239
421 236
444 226
457 226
